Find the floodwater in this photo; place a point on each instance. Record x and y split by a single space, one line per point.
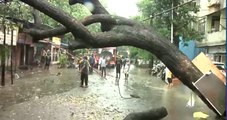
56 95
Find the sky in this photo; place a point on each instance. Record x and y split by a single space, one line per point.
124 8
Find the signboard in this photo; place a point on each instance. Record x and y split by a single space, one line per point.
8 36
208 85
24 39
56 40
204 64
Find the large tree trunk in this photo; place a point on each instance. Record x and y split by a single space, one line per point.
125 32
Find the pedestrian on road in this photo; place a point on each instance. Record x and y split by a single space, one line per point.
47 60
126 69
118 67
103 66
123 62
84 72
99 63
92 63
79 62
43 57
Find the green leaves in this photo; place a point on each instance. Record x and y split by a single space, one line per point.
63 59
139 53
5 51
183 17
16 9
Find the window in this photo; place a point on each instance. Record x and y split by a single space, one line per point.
215 23
201 26
7 30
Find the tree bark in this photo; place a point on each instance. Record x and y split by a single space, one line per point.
36 16
153 114
135 35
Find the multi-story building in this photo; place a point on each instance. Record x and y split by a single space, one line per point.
212 23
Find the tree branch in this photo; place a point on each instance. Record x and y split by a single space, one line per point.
98 9
27 24
72 24
116 20
40 34
36 16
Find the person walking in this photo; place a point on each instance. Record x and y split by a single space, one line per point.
92 63
79 62
99 63
126 69
47 60
123 62
43 57
118 67
103 66
84 72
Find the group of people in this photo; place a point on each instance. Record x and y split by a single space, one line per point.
86 67
122 64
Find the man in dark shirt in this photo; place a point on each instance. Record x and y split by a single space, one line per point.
47 60
84 72
118 67
92 63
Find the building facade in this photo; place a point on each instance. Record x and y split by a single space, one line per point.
212 23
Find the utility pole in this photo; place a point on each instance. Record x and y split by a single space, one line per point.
11 59
3 55
172 24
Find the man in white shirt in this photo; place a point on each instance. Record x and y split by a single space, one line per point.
103 67
126 69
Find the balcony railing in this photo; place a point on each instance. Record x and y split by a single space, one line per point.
213 39
217 36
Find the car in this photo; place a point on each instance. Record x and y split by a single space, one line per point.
221 66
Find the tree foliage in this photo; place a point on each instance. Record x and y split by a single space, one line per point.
183 20
140 53
63 59
16 9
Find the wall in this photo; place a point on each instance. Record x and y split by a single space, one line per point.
189 49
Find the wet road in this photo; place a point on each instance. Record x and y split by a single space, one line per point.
44 95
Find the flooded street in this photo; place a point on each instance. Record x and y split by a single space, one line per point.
47 95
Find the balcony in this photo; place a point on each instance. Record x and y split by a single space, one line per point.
214 3
216 36
213 39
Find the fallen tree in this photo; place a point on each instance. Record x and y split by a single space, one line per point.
118 31
152 114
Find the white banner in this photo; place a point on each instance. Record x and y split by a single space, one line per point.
8 36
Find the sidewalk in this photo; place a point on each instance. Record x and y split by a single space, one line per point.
21 73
